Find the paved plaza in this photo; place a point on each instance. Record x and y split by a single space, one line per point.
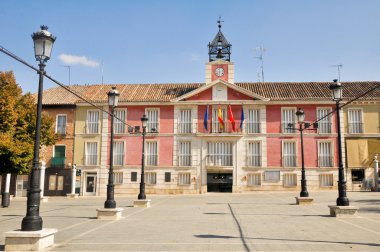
258 221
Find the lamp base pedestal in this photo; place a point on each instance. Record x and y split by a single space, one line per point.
304 200
29 240
75 195
343 211
142 203
110 213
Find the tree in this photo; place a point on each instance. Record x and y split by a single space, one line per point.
18 125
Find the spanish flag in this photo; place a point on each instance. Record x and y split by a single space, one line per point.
231 117
220 118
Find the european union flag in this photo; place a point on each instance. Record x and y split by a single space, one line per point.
205 121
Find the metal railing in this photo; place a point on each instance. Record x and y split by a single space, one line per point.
58 162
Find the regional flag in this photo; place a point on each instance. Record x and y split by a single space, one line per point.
205 120
231 117
242 118
220 118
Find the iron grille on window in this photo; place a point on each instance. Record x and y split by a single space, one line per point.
325 158
119 121
355 124
184 179
219 154
92 153
184 122
288 120
151 178
289 154
184 154
324 125
151 153
118 178
118 153
253 121
93 122
153 120
254 154
254 179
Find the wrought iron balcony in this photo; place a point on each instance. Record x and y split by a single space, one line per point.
58 162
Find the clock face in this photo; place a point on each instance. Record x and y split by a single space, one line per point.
219 71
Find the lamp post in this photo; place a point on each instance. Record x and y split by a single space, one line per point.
43 44
113 99
342 200
142 195
301 116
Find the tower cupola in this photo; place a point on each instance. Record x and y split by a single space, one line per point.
219 48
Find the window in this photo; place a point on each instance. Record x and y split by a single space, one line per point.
119 126
216 125
92 122
324 154
253 121
357 175
254 153
133 176
289 158
290 179
184 121
254 179
184 179
153 120
151 153
288 117
355 124
59 156
151 178
168 177
118 178
324 125
118 153
219 154
91 153
184 154
326 180
61 124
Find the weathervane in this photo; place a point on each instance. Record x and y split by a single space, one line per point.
219 22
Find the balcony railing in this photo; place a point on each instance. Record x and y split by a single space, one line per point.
289 161
324 127
355 128
58 162
326 161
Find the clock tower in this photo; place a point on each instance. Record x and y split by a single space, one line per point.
219 65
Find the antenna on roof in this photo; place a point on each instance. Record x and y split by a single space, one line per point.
261 50
102 72
69 67
339 67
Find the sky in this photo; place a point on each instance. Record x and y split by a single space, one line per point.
165 41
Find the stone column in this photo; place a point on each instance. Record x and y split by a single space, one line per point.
376 173
73 181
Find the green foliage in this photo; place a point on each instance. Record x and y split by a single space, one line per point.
17 127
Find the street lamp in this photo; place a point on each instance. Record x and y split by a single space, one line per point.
113 99
301 117
342 200
142 195
43 43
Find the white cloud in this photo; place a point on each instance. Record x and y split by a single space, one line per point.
77 60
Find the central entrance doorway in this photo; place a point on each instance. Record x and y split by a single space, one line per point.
219 182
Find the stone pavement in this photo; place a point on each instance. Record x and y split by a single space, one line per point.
258 221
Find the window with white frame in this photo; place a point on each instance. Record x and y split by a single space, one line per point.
91 153
184 178
61 124
153 120
325 154
92 122
254 153
326 180
151 153
254 179
288 118
184 153
150 178
289 157
290 179
355 121
219 154
324 125
118 153
253 121
184 121
119 121
118 178
216 125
